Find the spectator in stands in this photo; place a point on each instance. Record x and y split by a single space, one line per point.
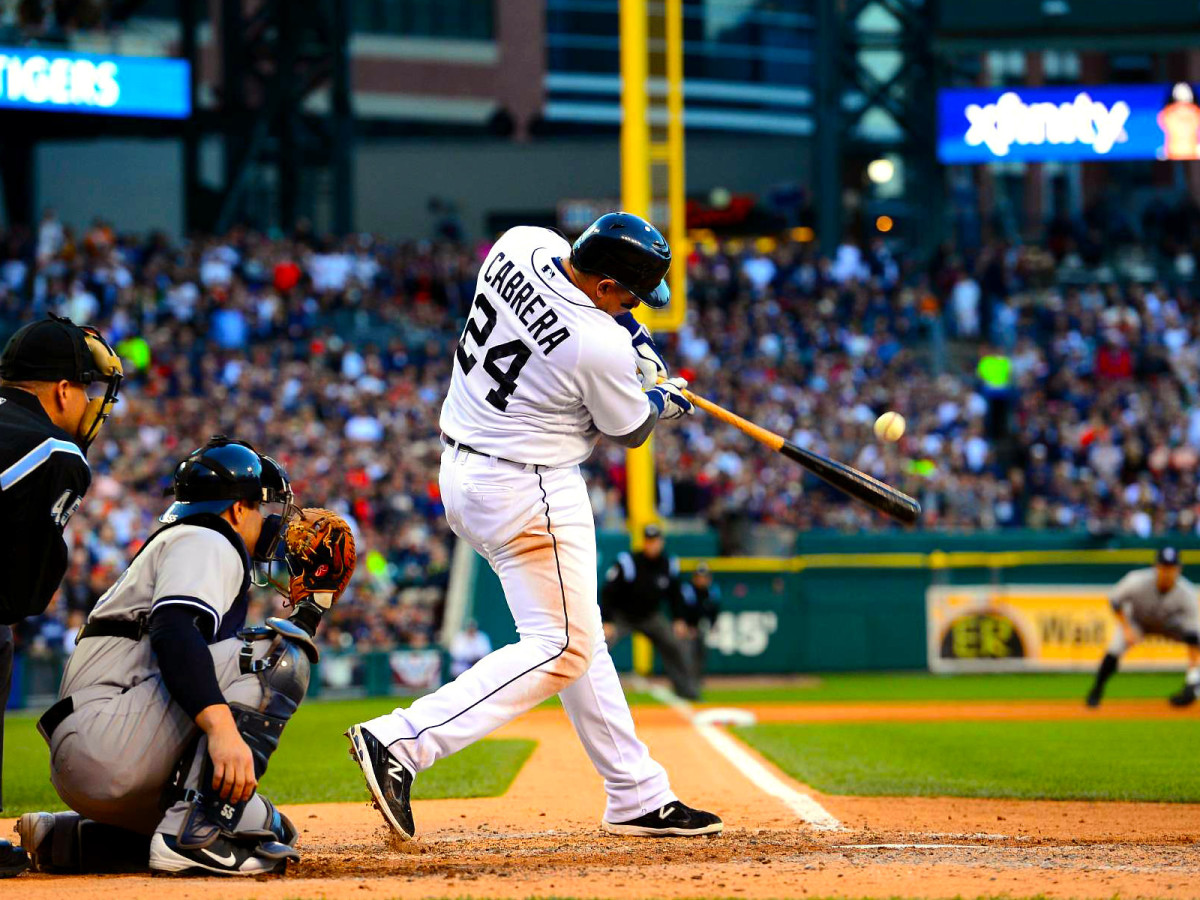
468 647
338 351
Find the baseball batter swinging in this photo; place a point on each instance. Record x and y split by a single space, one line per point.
1160 601
545 365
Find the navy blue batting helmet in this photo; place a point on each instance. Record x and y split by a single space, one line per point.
630 251
220 473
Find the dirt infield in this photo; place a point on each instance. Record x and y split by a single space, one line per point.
542 837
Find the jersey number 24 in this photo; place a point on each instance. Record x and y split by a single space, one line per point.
516 352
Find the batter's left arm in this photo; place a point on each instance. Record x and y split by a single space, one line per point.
652 368
621 406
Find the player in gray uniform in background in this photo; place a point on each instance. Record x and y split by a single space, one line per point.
1160 601
171 707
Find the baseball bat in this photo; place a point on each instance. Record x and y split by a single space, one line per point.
848 480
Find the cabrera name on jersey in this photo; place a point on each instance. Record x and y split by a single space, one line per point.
539 372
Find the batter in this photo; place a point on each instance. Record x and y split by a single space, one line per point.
545 365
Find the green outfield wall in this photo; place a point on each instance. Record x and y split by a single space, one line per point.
856 602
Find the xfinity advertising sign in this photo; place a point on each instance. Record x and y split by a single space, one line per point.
87 83
1089 123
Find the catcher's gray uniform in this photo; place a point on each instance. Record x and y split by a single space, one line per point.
1175 614
115 754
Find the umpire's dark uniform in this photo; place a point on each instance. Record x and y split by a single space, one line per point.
58 383
635 588
700 604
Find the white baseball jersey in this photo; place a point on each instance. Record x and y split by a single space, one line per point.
540 371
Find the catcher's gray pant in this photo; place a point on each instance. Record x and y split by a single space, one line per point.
111 759
674 659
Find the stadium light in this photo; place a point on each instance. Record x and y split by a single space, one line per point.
881 170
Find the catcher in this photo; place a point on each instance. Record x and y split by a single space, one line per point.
170 707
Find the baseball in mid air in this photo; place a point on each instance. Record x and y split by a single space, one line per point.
889 427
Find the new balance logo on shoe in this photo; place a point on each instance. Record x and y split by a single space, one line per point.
665 811
388 781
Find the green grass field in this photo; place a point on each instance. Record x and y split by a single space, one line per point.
1101 759
312 764
870 687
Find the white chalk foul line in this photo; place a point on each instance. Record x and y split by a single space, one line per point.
763 778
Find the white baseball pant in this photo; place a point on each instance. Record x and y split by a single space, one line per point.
533 524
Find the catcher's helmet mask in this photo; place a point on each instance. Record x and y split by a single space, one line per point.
628 250
224 471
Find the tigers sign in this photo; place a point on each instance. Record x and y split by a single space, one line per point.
1031 628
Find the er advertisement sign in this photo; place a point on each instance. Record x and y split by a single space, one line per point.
1031 628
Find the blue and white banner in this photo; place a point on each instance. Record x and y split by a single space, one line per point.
1084 123
149 87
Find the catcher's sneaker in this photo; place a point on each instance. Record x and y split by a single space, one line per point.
222 857
672 820
388 781
1185 697
13 860
33 829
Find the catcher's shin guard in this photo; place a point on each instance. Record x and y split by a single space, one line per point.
65 843
284 673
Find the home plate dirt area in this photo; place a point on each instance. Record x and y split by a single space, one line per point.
542 838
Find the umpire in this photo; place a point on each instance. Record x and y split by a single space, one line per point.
58 383
1160 601
634 590
699 606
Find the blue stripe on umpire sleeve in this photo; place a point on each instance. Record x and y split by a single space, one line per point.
34 458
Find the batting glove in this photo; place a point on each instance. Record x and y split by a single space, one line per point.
669 400
652 368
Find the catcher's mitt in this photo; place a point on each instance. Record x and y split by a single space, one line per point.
320 556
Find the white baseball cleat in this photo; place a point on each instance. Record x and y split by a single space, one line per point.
222 857
33 828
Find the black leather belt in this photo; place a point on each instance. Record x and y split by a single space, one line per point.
133 629
466 448
53 717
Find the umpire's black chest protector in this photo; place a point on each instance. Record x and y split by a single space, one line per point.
43 479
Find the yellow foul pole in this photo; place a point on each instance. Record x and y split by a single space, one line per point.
676 196
640 155
635 198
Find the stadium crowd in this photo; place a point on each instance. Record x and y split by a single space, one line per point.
333 355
